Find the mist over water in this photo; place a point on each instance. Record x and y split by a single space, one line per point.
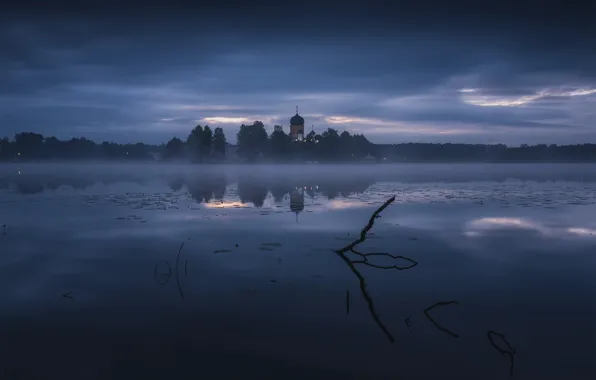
222 271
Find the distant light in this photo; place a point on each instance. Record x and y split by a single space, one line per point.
18 154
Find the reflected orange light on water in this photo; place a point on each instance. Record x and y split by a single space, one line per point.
229 204
341 204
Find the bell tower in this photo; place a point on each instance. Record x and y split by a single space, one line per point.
297 127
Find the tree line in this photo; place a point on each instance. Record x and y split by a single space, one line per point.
254 144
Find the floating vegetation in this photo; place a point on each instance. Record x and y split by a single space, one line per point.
272 244
222 250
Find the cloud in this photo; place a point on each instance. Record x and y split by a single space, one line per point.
434 71
494 101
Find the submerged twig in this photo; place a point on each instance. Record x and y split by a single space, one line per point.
509 353
367 297
347 302
177 273
408 323
157 275
445 303
366 262
68 295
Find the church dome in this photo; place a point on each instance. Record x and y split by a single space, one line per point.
297 120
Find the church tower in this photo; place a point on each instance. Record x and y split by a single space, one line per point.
297 127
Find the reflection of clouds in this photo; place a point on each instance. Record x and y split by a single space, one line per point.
484 226
504 222
341 204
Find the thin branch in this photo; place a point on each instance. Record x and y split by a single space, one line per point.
68 295
408 323
510 354
366 262
361 280
435 323
177 273
156 275
367 297
347 302
368 226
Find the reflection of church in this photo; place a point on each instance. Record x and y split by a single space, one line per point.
297 201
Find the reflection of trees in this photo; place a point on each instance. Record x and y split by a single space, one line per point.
279 189
201 188
204 189
35 185
176 183
328 187
251 190
344 187
254 189
29 186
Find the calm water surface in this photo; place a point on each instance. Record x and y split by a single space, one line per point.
222 272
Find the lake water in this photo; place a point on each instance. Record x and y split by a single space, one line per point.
222 272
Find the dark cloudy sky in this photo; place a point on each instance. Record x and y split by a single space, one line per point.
437 71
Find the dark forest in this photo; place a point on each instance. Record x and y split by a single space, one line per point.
254 144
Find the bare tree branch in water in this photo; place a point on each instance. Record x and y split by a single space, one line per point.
347 301
510 352
435 323
367 228
366 262
352 265
68 295
164 278
158 276
177 273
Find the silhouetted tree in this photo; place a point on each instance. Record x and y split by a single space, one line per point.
252 140
29 145
194 143
174 149
219 141
5 149
206 141
280 142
